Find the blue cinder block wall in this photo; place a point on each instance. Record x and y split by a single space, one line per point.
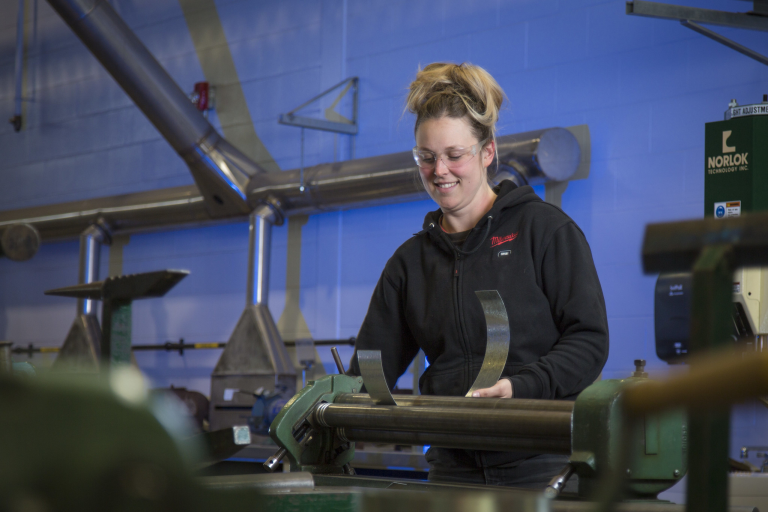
644 87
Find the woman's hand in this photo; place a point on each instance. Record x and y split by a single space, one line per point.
502 389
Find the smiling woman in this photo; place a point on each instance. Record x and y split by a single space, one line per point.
457 108
481 238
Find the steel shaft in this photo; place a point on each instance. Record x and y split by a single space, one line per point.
517 404
467 442
445 420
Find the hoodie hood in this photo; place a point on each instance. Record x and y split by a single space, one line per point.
508 196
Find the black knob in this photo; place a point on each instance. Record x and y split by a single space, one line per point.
639 365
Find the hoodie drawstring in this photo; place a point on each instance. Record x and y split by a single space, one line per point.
487 232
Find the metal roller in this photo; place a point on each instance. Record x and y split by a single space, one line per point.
467 442
445 420
511 404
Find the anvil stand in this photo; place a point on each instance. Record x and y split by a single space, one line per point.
80 351
117 295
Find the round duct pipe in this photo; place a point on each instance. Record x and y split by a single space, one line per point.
19 242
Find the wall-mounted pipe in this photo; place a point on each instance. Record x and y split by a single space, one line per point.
533 158
551 154
220 170
363 182
259 247
90 253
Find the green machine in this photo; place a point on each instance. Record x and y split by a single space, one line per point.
316 431
736 160
735 183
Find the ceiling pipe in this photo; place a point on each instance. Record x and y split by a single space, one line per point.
220 170
531 157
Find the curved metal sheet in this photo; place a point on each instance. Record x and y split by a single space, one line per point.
497 344
373 377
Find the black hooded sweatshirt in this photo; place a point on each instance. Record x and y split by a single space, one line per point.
541 265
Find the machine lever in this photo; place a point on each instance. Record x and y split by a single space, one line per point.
303 435
272 462
336 358
556 484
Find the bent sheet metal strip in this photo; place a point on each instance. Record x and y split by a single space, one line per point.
373 377
497 344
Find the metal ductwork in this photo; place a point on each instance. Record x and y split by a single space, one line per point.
531 157
19 242
220 170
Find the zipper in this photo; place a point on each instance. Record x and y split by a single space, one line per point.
458 274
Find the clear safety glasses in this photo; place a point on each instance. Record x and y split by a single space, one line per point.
453 157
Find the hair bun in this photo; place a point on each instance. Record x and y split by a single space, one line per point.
457 90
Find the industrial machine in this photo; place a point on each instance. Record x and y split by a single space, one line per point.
735 183
317 428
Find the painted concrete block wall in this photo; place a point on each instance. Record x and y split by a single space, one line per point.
644 87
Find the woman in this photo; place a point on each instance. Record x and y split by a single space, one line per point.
481 238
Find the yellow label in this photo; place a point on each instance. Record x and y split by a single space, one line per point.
206 345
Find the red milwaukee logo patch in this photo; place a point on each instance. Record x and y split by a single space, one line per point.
498 240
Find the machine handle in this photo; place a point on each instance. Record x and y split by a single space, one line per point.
336 358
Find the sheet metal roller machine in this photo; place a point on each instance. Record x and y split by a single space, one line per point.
317 428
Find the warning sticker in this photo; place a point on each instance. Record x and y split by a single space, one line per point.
727 209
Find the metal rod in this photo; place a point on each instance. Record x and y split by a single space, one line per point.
90 252
259 247
713 382
339 363
271 463
733 45
445 420
18 70
558 482
170 346
265 482
462 441
516 404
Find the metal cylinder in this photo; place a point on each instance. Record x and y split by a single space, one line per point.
259 246
446 420
537 157
353 183
533 158
517 404
263 482
6 363
90 253
19 242
557 445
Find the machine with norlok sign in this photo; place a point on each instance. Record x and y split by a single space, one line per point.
735 182
736 162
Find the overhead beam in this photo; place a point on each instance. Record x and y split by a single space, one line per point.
697 15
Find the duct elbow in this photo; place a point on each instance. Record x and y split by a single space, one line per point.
534 158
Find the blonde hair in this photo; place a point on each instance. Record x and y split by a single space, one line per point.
458 91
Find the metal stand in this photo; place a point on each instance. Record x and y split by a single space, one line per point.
709 431
255 355
82 346
118 293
